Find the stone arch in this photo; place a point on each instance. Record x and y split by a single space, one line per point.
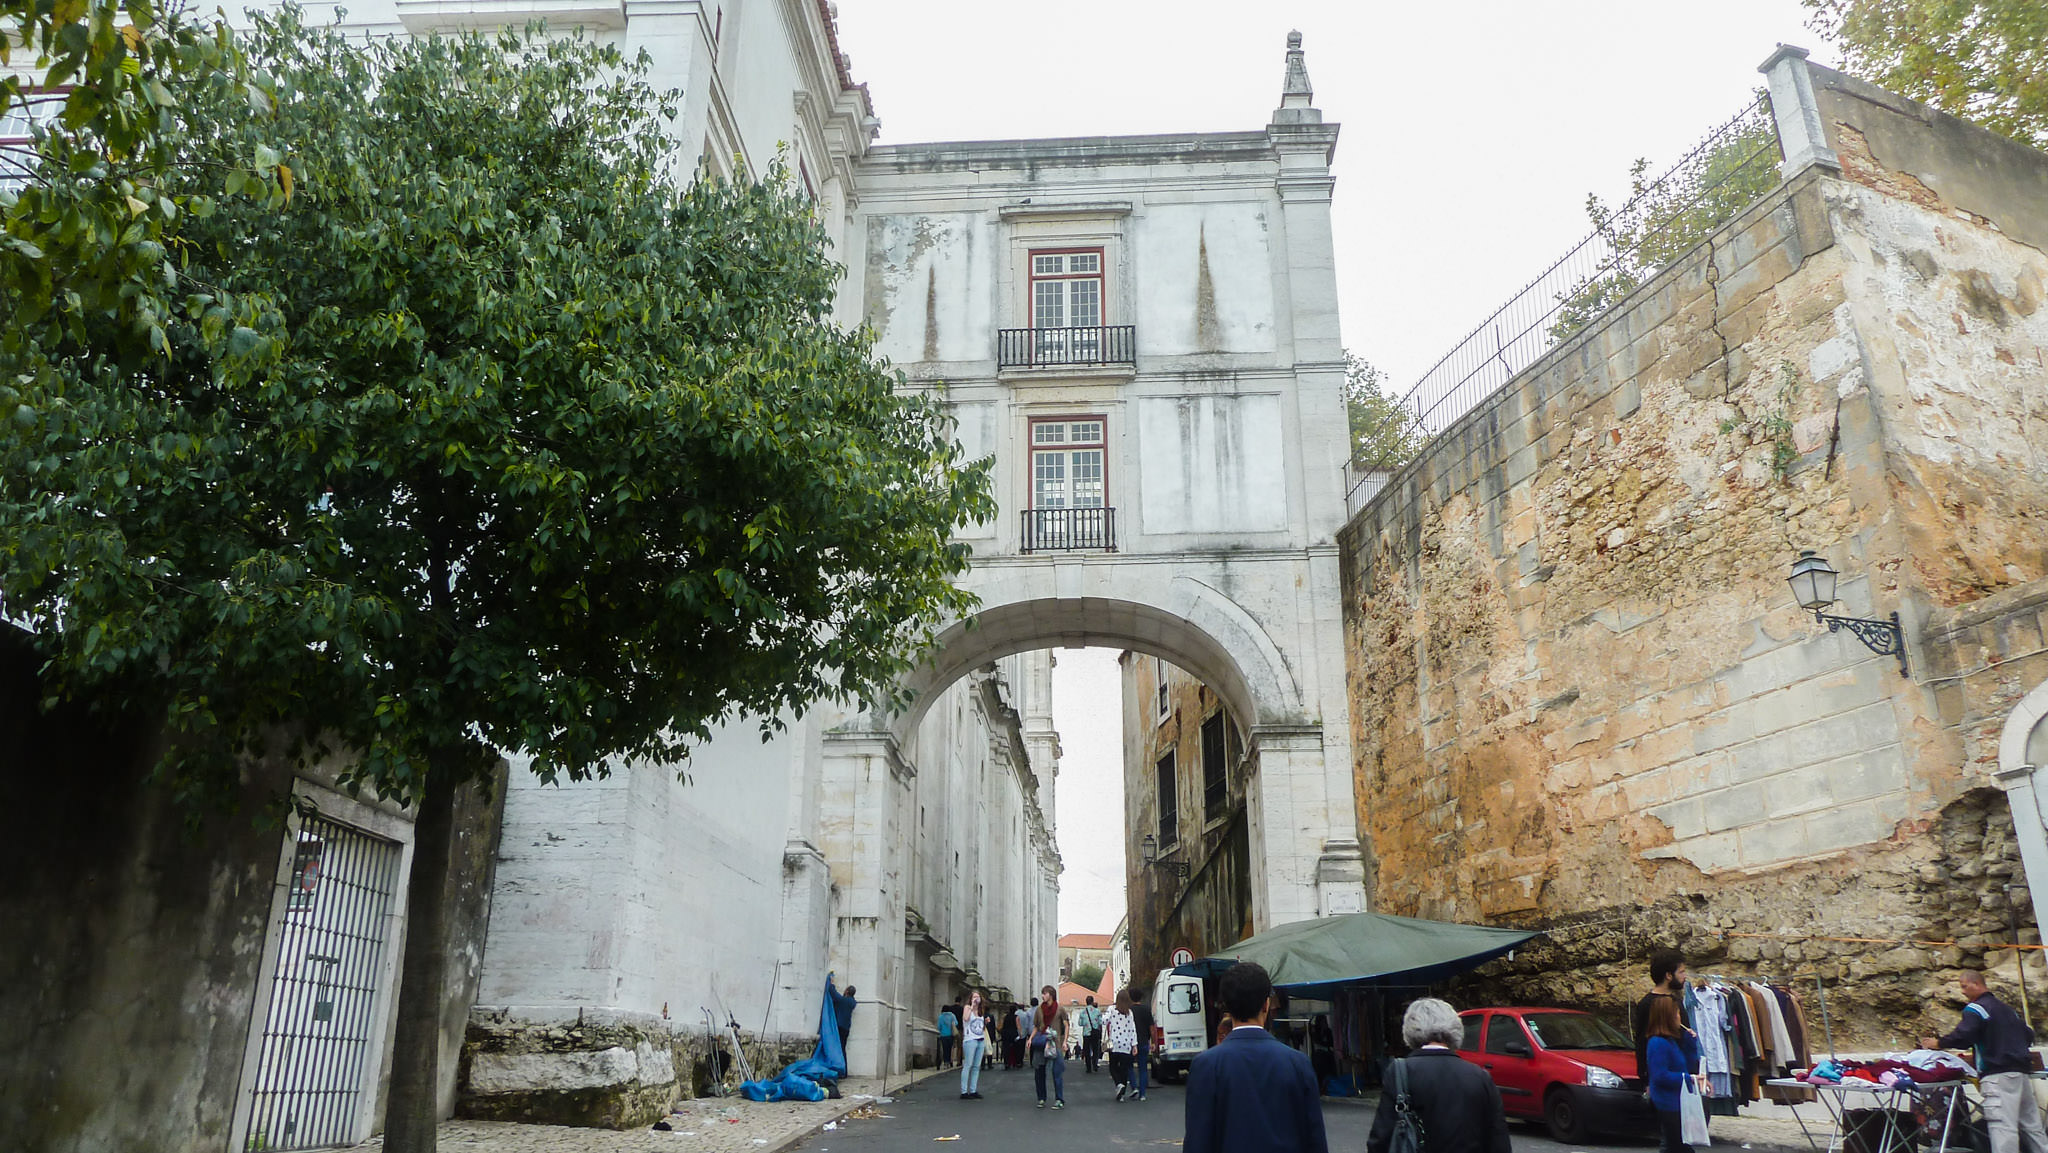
2022 755
1192 626
2025 739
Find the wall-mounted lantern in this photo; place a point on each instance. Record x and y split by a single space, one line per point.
1150 848
1813 586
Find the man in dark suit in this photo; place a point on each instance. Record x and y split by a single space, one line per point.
1252 1094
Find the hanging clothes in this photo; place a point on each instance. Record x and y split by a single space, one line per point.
1710 1021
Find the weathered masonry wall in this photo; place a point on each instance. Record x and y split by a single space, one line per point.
136 936
1581 694
1210 909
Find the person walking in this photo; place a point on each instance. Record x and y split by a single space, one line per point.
1141 1062
1456 1102
1122 1032
1253 1094
1090 1024
1012 1043
1048 1047
1667 979
948 1022
2002 1041
1674 1057
974 1047
990 1035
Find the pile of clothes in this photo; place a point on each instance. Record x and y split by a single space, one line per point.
1893 1070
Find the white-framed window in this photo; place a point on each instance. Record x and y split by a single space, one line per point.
1068 455
18 120
1161 689
1066 288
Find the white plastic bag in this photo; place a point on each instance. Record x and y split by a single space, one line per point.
1692 1116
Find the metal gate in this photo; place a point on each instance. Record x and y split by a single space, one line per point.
310 1076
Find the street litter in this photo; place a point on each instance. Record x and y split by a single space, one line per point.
954 1137
830 1125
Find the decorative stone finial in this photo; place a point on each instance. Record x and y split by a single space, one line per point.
1295 91
1297 98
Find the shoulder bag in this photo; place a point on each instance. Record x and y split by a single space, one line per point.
1408 1136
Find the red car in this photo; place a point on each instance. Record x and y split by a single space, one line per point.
1570 1070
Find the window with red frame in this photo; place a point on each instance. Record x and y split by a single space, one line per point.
1067 455
1066 288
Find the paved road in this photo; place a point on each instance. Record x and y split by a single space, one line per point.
1006 1121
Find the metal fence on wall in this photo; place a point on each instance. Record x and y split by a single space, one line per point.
1663 219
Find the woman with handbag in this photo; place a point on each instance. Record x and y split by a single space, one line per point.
1120 1030
1450 1105
1674 1055
1048 1047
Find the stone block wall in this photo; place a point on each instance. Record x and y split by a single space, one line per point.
1581 694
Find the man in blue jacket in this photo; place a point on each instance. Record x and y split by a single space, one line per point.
2002 1042
1251 1093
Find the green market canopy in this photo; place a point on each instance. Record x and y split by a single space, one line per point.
1314 958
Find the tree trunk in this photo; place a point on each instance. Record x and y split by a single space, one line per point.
410 1113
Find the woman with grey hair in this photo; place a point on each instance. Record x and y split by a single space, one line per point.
1456 1102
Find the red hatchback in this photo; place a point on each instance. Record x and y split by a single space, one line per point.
1570 1070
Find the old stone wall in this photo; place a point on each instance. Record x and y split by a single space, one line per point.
136 933
1581 694
1210 908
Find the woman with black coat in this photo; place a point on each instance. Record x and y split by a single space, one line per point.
1455 1100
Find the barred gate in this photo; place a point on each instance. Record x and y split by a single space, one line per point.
315 1055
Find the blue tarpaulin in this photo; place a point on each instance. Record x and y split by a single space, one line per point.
801 1081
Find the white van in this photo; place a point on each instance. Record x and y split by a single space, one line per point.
1181 1023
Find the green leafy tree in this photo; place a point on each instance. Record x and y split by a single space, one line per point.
1384 431
106 85
1666 217
1087 975
534 446
1984 60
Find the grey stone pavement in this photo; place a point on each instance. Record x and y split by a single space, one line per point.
1006 1121
923 1111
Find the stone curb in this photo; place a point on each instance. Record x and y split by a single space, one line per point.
917 1077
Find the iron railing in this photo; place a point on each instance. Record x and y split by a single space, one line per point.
1069 529
1057 347
1662 220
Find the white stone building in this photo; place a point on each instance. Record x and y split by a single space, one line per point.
1143 332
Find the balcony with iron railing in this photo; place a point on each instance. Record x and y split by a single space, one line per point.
1096 345
1069 529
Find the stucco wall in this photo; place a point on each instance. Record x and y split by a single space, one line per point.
1580 689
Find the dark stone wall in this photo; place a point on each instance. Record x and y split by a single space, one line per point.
135 930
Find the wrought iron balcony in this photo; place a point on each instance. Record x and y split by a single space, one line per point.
1060 347
1069 529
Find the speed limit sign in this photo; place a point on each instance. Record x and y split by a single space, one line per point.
1182 957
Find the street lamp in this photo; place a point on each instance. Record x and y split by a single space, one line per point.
1150 848
1813 586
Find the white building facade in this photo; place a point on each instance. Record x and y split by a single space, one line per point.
1143 332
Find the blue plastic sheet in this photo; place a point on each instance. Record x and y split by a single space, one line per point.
801 1080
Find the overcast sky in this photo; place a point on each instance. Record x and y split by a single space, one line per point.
1472 134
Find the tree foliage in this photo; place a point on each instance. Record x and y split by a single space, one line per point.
459 423
1984 60
1088 975
1666 217
107 86
533 448
1384 431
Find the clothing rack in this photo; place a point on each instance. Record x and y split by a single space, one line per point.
1820 990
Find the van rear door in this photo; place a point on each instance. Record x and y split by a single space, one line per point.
1181 1018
